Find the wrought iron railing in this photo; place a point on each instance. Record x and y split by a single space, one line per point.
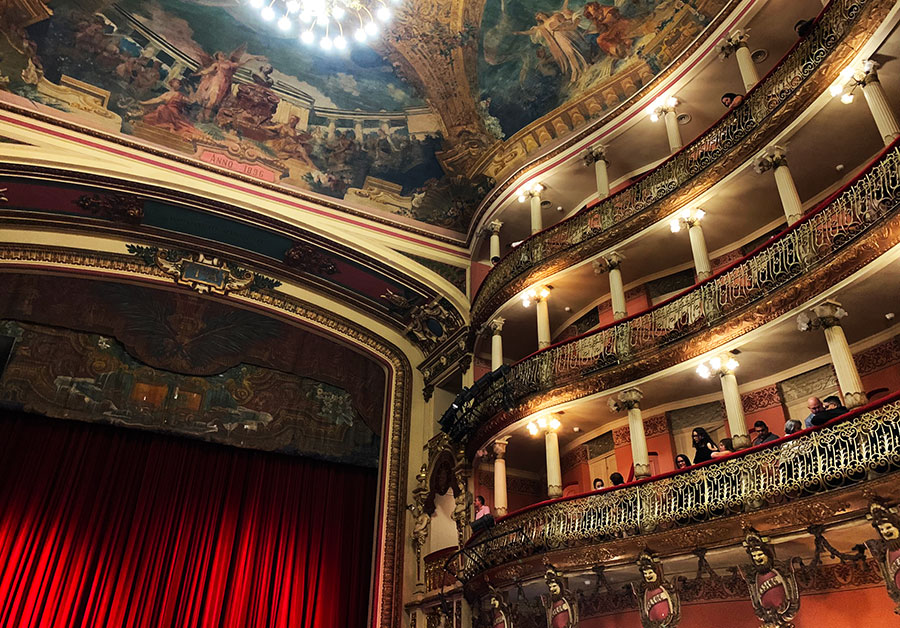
813 241
850 450
584 233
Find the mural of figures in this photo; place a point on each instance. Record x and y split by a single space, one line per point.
70 374
561 606
207 79
886 548
658 602
773 586
538 54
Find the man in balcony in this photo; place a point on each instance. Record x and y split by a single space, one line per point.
763 435
483 517
832 408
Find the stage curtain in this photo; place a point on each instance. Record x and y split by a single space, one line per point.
104 526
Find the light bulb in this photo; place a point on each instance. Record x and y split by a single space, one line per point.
307 37
268 14
359 35
675 226
340 43
521 198
671 102
654 117
835 90
338 13
256 4
371 29
715 363
542 422
325 43
699 214
703 371
732 364
532 429
847 98
284 23
306 16
685 213
537 188
383 13
544 293
554 423
292 6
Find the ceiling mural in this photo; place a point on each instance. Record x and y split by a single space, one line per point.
416 125
536 55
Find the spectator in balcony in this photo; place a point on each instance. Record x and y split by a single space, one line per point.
763 435
598 484
682 461
803 28
726 447
483 517
792 426
730 100
616 479
833 408
815 406
703 445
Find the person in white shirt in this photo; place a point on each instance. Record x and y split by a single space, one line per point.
483 516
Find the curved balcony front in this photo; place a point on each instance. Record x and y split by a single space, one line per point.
804 73
833 241
852 457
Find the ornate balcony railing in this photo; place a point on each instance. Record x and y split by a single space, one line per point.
653 196
819 237
852 449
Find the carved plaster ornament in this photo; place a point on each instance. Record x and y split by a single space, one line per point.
125 208
772 584
886 548
421 519
560 604
203 274
657 600
499 614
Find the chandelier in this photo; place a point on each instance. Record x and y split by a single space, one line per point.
330 24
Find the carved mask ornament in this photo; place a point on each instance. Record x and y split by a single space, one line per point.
773 586
658 602
561 607
886 548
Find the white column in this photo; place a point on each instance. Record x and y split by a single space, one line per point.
617 287
500 501
698 249
631 399
543 323
775 158
734 410
881 110
844 366
494 228
596 155
468 376
497 343
746 66
554 473
537 223
828 315
672 131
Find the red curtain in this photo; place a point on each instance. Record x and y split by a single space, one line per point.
105 526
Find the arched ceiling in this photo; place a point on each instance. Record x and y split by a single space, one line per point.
415 128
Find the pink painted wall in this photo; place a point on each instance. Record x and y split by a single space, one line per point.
478 272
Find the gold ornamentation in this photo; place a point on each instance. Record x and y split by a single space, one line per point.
658 601
761 399
125 208
773 585
886 549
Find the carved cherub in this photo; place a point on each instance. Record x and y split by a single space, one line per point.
658 601
886 548
561 607
773 585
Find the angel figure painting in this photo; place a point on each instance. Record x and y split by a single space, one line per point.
216 76
537 55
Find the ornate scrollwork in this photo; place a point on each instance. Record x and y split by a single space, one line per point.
125 208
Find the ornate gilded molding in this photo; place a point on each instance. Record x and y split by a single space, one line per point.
773 104
397 428
757 400
125 208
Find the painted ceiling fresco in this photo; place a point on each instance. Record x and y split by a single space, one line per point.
414 126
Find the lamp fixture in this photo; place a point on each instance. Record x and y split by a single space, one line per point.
661 106
543 424
718 365
533 295
328 23
530 189
852 77
687 218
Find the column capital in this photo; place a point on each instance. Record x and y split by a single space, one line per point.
822 316
530 190
771 158
594 154
499 447
628 399
868 74
493 227
496 325
607 263
731 42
